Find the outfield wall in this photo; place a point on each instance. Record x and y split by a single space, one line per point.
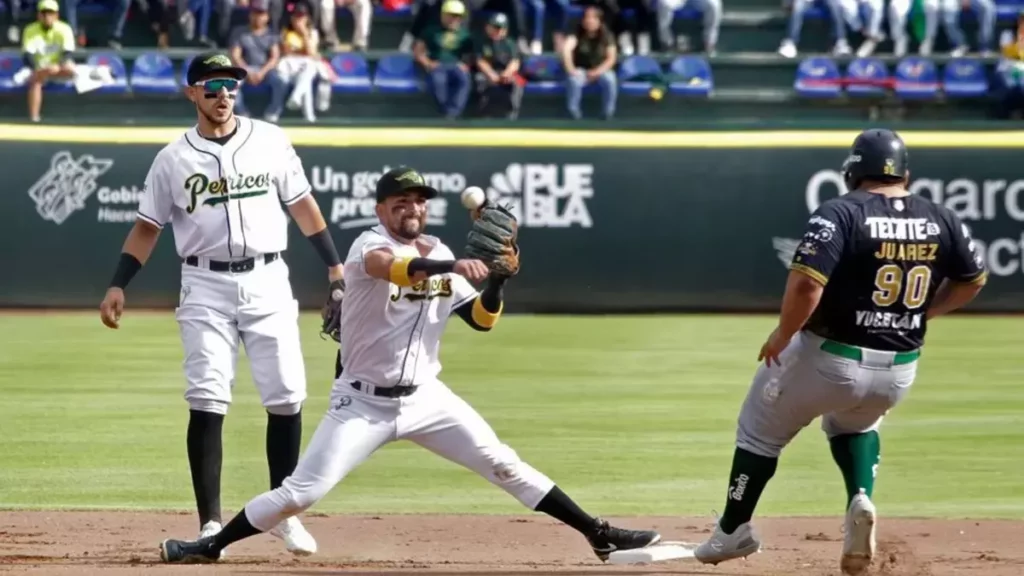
611 221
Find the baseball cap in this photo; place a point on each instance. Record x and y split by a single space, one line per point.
498 20
210 62
401 180
48 6
453 7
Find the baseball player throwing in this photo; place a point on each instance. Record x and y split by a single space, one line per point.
221 186
402 287
874 266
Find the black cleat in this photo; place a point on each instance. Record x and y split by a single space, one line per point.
606 539
200 551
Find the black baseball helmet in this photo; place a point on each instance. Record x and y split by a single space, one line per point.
403 179
876 154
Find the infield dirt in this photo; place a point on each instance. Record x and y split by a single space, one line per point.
115 543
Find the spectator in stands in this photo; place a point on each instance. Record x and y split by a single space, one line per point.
362 15
840 13
497 61
13 20
589 56
1009 85
256 49
117 20
301 65
560 16
985 10
47 47
711 10
427 15
443 52
275 9
187 11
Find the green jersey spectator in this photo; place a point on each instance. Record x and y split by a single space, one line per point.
47 46
443 52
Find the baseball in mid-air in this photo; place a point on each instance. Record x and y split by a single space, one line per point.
473 197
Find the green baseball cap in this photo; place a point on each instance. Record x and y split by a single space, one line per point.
400 180
48 6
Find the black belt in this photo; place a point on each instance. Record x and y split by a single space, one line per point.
388 392
235 265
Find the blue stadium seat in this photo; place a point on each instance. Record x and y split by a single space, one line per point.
351 74
397 74
697 73
544 75
964 78
9 65
818 77
916 78
867 77
633 67
153 73
117 70
381 12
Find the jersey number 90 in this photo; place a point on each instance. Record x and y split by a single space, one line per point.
890 281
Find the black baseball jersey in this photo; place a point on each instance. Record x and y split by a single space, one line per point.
881 261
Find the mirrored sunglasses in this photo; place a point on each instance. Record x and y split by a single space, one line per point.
216 85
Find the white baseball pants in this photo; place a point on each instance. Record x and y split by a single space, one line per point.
357 424
219 310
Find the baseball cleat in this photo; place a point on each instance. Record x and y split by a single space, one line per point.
859 542
721 546
185 552
209 530
296 538
606 539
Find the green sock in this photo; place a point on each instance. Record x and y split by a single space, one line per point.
857 456
750 474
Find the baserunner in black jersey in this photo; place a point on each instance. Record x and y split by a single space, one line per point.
873 267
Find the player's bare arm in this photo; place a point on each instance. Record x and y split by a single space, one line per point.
803 293
310 220
138 246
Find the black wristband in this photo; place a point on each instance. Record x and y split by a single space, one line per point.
324 245
493 293
430 266
127 267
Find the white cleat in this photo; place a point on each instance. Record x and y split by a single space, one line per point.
296 538
859 543
211 528
721 546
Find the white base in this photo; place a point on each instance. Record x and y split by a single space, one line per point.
660 552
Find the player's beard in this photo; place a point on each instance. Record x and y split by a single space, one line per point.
217 116
410 227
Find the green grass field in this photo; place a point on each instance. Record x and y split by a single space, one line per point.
631 415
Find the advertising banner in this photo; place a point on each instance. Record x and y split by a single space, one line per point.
603 229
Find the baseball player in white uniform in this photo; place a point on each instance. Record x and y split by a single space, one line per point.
221 186
403 286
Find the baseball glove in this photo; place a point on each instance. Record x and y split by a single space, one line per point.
331 312
492 240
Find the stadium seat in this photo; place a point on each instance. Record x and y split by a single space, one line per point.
117 70
633 67
397 74
916 78
544 75
351 74
964 78
867 77
696 73
818 78
153 73
10 63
